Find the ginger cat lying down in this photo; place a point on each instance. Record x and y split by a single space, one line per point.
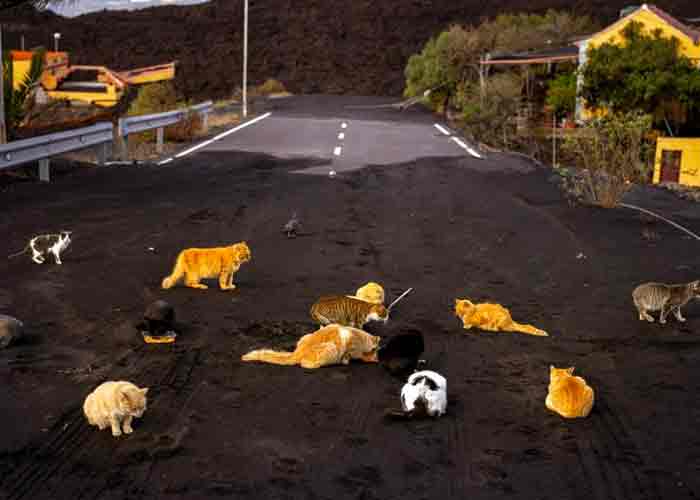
569 396
330 345
491 317
196 263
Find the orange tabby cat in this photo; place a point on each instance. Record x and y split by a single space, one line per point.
331 345
491 317
197 263
115 404
568 396
348 311
371 292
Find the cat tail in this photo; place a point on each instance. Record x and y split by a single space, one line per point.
178 272
24 250
528 329
270 356
396 414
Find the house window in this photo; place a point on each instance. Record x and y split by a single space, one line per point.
670 165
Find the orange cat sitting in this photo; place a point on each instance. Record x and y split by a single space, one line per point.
568 396
196 263
330 345
491 317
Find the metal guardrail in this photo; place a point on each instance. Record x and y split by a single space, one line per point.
136 124
43 147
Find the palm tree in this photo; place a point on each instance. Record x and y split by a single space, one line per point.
18 101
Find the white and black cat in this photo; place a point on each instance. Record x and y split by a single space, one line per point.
45 244
424 395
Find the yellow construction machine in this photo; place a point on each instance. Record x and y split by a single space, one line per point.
97 85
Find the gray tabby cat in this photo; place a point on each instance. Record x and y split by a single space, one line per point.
664 298
45 244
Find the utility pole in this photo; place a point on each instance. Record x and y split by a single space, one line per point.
3 130
554 138
245 58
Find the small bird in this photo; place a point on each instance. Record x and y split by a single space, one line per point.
292 227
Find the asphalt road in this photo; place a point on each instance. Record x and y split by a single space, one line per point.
347 136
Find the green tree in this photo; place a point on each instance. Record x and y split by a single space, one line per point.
645 72
451 60
561 94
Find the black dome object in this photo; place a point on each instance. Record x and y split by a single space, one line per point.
159 310
400 353
159 318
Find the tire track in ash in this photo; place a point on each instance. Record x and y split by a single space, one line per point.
172 393
72 440
457 440
612 463
176 383
65 438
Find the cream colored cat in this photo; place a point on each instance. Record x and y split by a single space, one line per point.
491 317
371 292
330 345
115 404
569 396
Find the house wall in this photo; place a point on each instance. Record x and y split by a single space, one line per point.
612 34
651 22
690 159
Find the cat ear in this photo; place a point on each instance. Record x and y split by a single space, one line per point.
570 370
144 391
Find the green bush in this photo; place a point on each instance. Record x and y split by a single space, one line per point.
561 94
154 98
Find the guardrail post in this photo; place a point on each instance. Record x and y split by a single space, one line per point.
44 174
101 153
205 122
121 141
159 140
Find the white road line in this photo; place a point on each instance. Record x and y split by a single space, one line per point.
337 150
215 138
343 125
442 129
464 146
341 136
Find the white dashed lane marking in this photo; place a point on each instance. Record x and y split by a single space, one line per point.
458 141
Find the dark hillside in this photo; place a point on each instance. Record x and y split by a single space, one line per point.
329 46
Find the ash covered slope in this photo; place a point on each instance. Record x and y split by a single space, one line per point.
327 46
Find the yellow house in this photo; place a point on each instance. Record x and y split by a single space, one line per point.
652 18
677 160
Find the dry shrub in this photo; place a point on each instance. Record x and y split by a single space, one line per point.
186 129
612 152
271 86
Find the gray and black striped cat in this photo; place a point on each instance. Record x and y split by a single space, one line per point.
664 298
